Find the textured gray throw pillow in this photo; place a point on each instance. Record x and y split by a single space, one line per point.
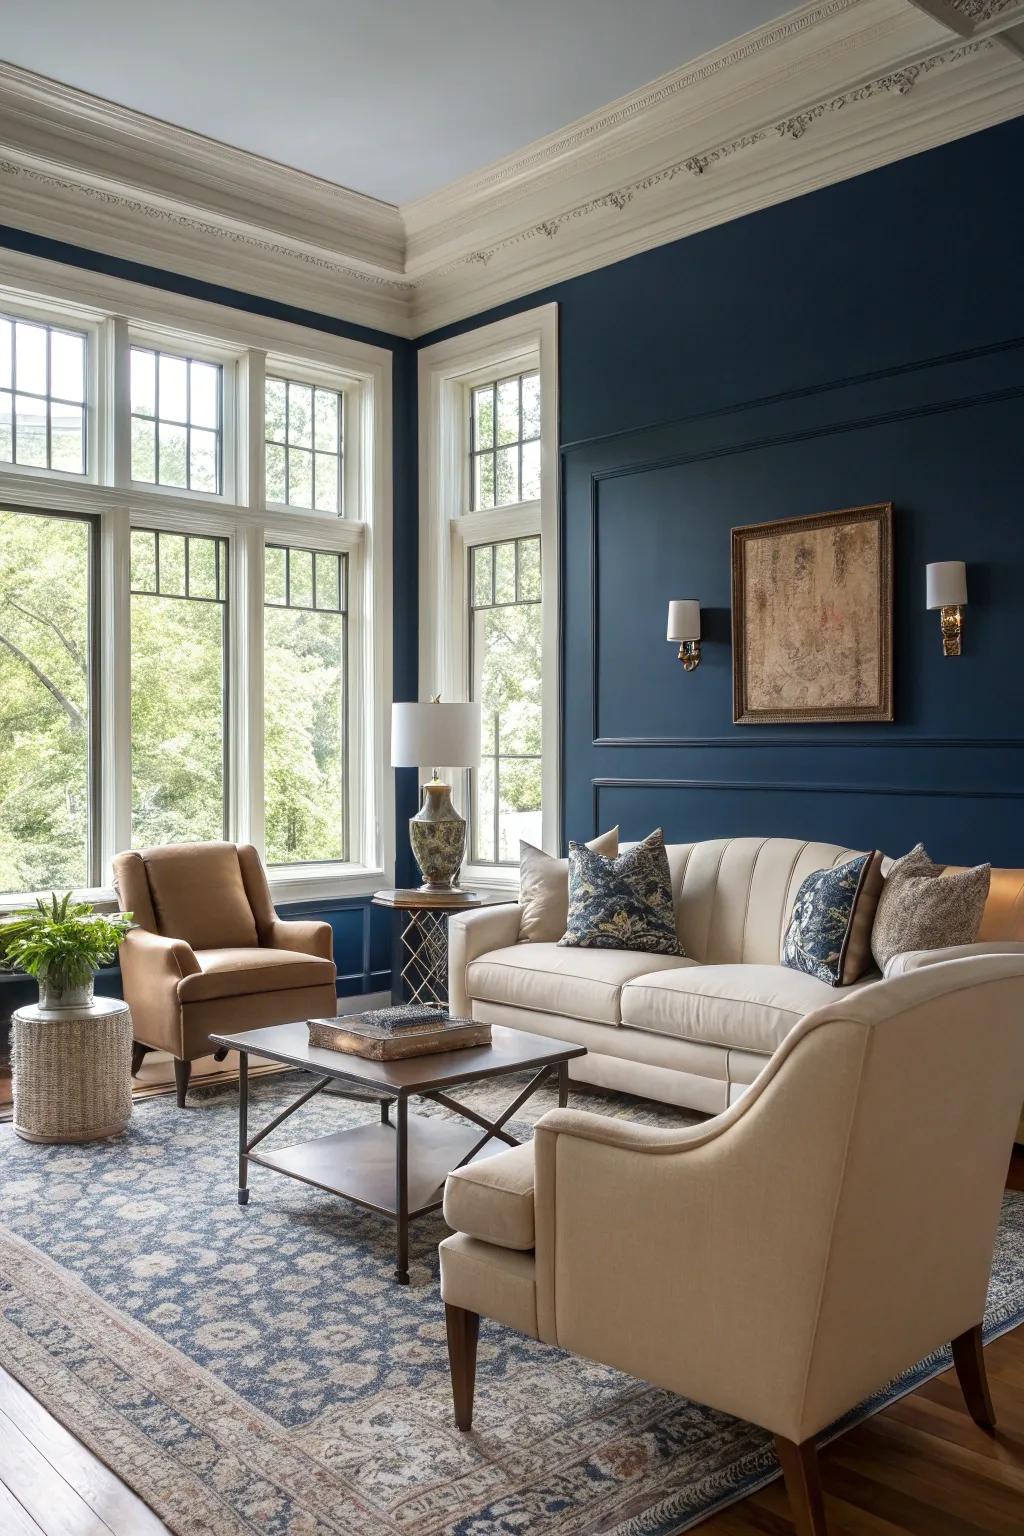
922 908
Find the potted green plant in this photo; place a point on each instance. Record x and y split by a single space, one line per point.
62 943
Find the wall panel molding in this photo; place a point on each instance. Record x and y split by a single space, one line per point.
909 378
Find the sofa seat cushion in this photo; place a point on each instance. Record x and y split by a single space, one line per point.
235 972
493 1199
742 1007
579 983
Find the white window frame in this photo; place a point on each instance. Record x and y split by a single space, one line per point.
119 313
282 368
18 306
447 530
202 350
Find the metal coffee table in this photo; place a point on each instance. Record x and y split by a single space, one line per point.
396 1168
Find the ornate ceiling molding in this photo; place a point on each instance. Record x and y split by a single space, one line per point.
829 91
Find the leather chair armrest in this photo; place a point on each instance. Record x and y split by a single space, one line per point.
151 968
154 959
472 934
305 936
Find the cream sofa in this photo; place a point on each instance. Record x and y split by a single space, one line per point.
785 1259
697 1029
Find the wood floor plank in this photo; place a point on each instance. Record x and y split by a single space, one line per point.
14 1519
41 1491
121 1510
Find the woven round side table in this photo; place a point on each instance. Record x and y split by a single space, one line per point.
72 1071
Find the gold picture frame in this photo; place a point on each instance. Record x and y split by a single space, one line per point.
812 618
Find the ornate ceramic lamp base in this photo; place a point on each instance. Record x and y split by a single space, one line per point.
438 836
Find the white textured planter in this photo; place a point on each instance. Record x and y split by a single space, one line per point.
72 1071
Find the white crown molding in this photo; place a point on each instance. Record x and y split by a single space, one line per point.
832 89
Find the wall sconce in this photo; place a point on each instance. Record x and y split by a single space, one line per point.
684 626
947 591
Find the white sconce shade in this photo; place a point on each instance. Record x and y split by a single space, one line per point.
946 583
683 619
435 735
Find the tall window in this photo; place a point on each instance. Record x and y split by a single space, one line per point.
305 705
505 435
185 612
507 677
46 622
42 396
176 420
179 600
304 445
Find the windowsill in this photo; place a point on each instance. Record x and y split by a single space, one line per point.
297 882
500 881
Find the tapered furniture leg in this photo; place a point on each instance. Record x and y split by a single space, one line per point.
138 1054
182 1073
969 1359
803 1485
221 1054
463 1329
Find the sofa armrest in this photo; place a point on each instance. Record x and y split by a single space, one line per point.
470 935
307 937
916 959
151 968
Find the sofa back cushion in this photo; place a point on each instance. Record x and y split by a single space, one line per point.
734 896
199 895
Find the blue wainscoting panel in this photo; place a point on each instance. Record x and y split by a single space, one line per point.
954 824
836 350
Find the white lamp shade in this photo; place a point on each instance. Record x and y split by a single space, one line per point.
435 735
683 619
947 584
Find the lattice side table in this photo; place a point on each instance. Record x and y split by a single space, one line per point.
425 937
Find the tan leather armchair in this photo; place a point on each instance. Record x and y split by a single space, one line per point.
210 954
786 1259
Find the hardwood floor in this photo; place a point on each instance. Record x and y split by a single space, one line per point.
920 1468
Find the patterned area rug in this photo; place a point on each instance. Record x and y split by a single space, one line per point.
257 1371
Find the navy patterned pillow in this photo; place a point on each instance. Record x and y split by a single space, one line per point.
830 932
623 903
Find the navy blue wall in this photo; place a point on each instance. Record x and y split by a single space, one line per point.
363 935
861 344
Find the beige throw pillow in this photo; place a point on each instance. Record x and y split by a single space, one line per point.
544 889
922 907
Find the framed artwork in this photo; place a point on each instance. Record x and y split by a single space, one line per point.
812 618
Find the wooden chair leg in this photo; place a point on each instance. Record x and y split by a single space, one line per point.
463 1329
138 1053
969 1359
182 1073
803 1485
221 1053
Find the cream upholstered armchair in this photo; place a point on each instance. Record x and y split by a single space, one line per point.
784 1260
210 953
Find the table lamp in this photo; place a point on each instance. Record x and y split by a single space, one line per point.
425 734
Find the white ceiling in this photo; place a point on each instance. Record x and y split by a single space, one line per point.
394 98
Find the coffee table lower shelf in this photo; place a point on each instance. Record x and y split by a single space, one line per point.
359 1163
395 1168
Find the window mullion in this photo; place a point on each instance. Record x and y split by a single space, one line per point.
115 690
249 422
117 386
245 653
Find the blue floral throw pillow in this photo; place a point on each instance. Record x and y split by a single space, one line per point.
623 903
830 932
